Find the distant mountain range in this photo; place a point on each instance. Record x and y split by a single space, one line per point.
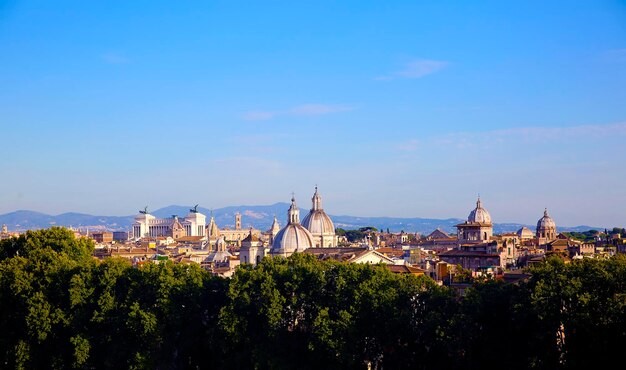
260 217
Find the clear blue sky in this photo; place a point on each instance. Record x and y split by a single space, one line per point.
395 108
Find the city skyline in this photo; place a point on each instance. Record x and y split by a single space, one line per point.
395 109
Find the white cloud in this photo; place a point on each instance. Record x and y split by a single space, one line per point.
299 110
416 69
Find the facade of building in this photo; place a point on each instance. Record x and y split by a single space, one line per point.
232 236
102 237
120 236
351 255
146 225
252 250
438 241
472 260
319 224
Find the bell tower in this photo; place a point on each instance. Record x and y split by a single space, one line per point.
293 212
238 221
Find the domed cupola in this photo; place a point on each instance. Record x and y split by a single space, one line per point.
546 227
479 214
319 224
478 227
293 237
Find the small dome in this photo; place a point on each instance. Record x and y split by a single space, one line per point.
525 233
546 222
479 214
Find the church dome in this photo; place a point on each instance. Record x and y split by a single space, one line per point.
479 214
546 222
293 237
525 233
317 221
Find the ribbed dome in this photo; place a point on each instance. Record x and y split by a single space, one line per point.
479 214
546 222
317 221
293 237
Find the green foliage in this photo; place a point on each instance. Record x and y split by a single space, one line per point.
368 229
302 313
585 236
60 308
355 235
340 232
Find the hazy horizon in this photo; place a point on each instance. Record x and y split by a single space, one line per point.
395 109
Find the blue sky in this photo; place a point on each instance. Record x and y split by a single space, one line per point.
394 108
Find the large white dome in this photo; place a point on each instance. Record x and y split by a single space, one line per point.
546 222
317 221
479 214
293 237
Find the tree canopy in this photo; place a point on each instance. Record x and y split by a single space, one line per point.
61 308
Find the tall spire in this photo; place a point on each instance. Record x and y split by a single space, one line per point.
275 226
294 213
545 212
317 200
213 230
478 203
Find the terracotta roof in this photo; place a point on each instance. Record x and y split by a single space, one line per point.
438 234
460 253
405 269
343 254
391 252
559 243
190 238
338 254
251 238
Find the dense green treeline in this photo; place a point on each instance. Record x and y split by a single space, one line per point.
60 308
